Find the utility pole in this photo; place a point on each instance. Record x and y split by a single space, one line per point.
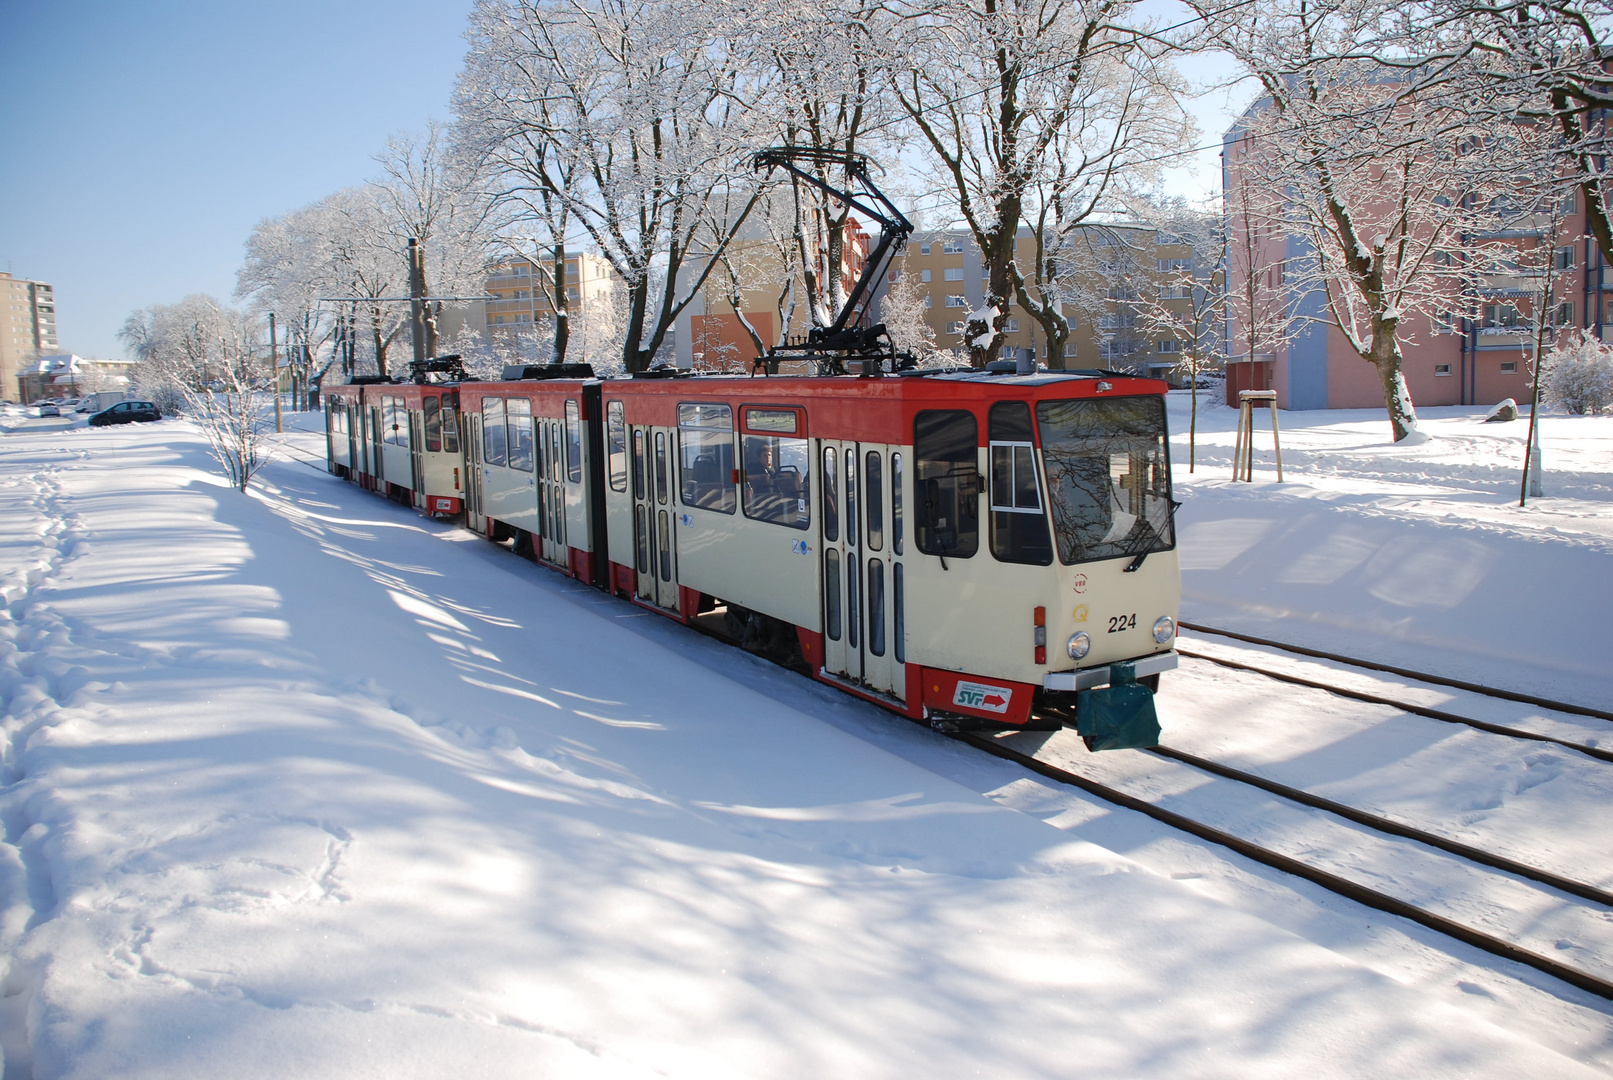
417 300
274 376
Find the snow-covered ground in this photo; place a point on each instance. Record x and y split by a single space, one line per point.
297 783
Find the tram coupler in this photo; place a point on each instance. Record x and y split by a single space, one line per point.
1119 716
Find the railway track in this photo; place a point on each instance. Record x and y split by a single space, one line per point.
1415 709
1601 899
1333 882
1420 676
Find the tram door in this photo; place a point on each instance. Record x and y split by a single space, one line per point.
862 573
551 490
376 435
654 530
472 443
355 434
417 463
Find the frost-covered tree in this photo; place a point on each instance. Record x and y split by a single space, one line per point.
205 355
1373 166
1045 114
1544 64
428 194
903 313
820 85
1186 300
634 115
1578 375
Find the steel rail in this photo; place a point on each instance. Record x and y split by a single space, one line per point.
1332 882
1421 676
1395 828
1416 710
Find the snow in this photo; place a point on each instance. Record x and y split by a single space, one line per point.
300 783
1416 555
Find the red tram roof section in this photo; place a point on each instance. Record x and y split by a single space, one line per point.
878 409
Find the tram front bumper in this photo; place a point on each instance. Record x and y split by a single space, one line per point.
1088 678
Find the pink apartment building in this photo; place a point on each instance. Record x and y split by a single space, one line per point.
1478 353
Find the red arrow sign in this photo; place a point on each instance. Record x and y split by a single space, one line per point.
993 701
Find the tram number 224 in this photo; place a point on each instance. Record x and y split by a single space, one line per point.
1118 623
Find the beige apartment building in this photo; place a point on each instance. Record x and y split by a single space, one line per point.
27 329
1110 275
523 296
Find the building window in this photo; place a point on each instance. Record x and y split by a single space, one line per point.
952 247
1563 258
929 301
895 276
1565 313
1011 326
924 275
957 301
1069 349
924 249
1508 367
1442 369
952 273
954 328
1167 266
1172 346
1497 315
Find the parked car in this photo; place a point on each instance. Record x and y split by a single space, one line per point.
49 409
126 412
99 400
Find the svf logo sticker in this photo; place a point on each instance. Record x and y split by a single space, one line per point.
973 695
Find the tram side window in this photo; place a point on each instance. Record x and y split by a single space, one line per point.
1108 477
398 426
450 426
777 480
1018 523
706 446
493 430
947 483
573 443
433 425
616 445
638 465
520 428
389 421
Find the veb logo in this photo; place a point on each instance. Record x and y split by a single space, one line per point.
972 695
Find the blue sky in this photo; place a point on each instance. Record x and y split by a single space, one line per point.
143 141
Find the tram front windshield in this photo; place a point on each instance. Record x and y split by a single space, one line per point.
1108 477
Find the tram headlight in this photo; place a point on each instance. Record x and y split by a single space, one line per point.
1164 629
1078 646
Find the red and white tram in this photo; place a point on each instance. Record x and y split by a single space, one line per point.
970 548
399 439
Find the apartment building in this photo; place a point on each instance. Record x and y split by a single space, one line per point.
1110 276
523 296
1477 350
27 328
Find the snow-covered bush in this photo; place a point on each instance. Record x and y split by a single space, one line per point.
1579 376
